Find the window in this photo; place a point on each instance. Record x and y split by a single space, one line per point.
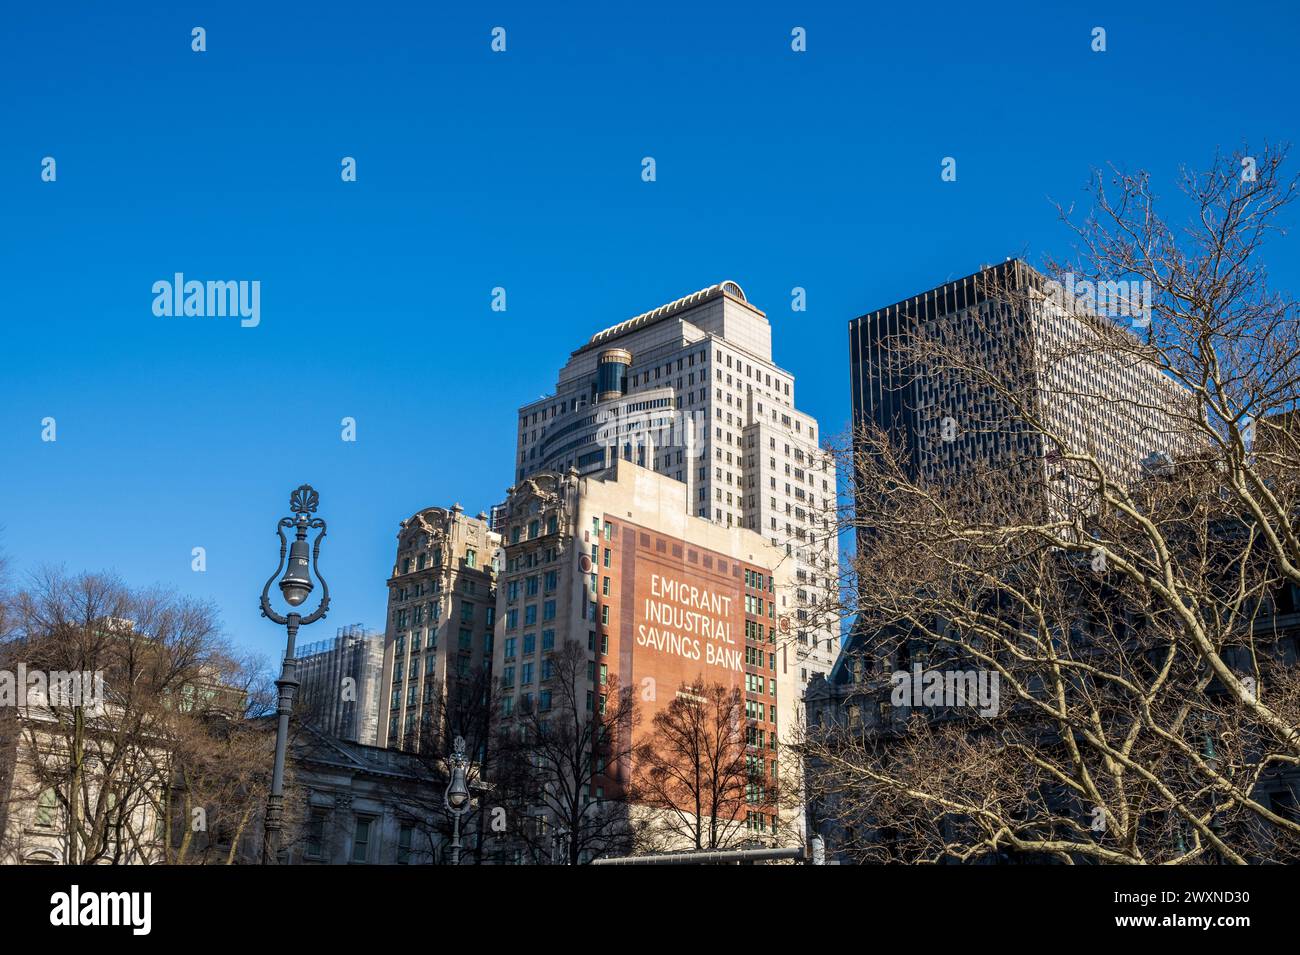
548 639
530 643
471 558
316 834
45 809
361 839
404 845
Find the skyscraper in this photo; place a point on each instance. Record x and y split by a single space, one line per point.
339 683
1079 374
690 390
613 564
441 614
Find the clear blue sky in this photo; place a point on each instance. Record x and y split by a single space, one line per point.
519 170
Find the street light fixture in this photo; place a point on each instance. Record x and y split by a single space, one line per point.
456 797
296 587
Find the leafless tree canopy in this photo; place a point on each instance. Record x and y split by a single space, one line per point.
562 766
165 766
692 774
1139 614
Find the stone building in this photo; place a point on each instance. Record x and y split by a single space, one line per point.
441 617
656 597
690 391
339 684
363 805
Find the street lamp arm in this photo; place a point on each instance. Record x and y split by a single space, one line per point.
267 609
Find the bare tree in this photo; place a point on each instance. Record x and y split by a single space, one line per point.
105 762
693 774
1134 612
218 756
563 765
466 708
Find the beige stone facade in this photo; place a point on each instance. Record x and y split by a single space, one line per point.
689 390
441 615
657 597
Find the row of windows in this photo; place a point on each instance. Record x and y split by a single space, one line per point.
365 841
407 617
430 638
549 582
534 529
756 710
421 561
511 644
530 614
757 683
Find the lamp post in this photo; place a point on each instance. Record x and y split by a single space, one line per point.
296 587
456 797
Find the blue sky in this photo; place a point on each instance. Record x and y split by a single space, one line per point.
519 170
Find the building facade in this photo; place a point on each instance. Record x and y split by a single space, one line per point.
363 805
339 684
441 617
656 596
690 391
1079 374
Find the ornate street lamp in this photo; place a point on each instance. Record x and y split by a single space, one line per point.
456 797
296 587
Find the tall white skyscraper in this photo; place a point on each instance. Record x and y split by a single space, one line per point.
690 390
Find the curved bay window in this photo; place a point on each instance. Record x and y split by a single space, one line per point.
611 374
